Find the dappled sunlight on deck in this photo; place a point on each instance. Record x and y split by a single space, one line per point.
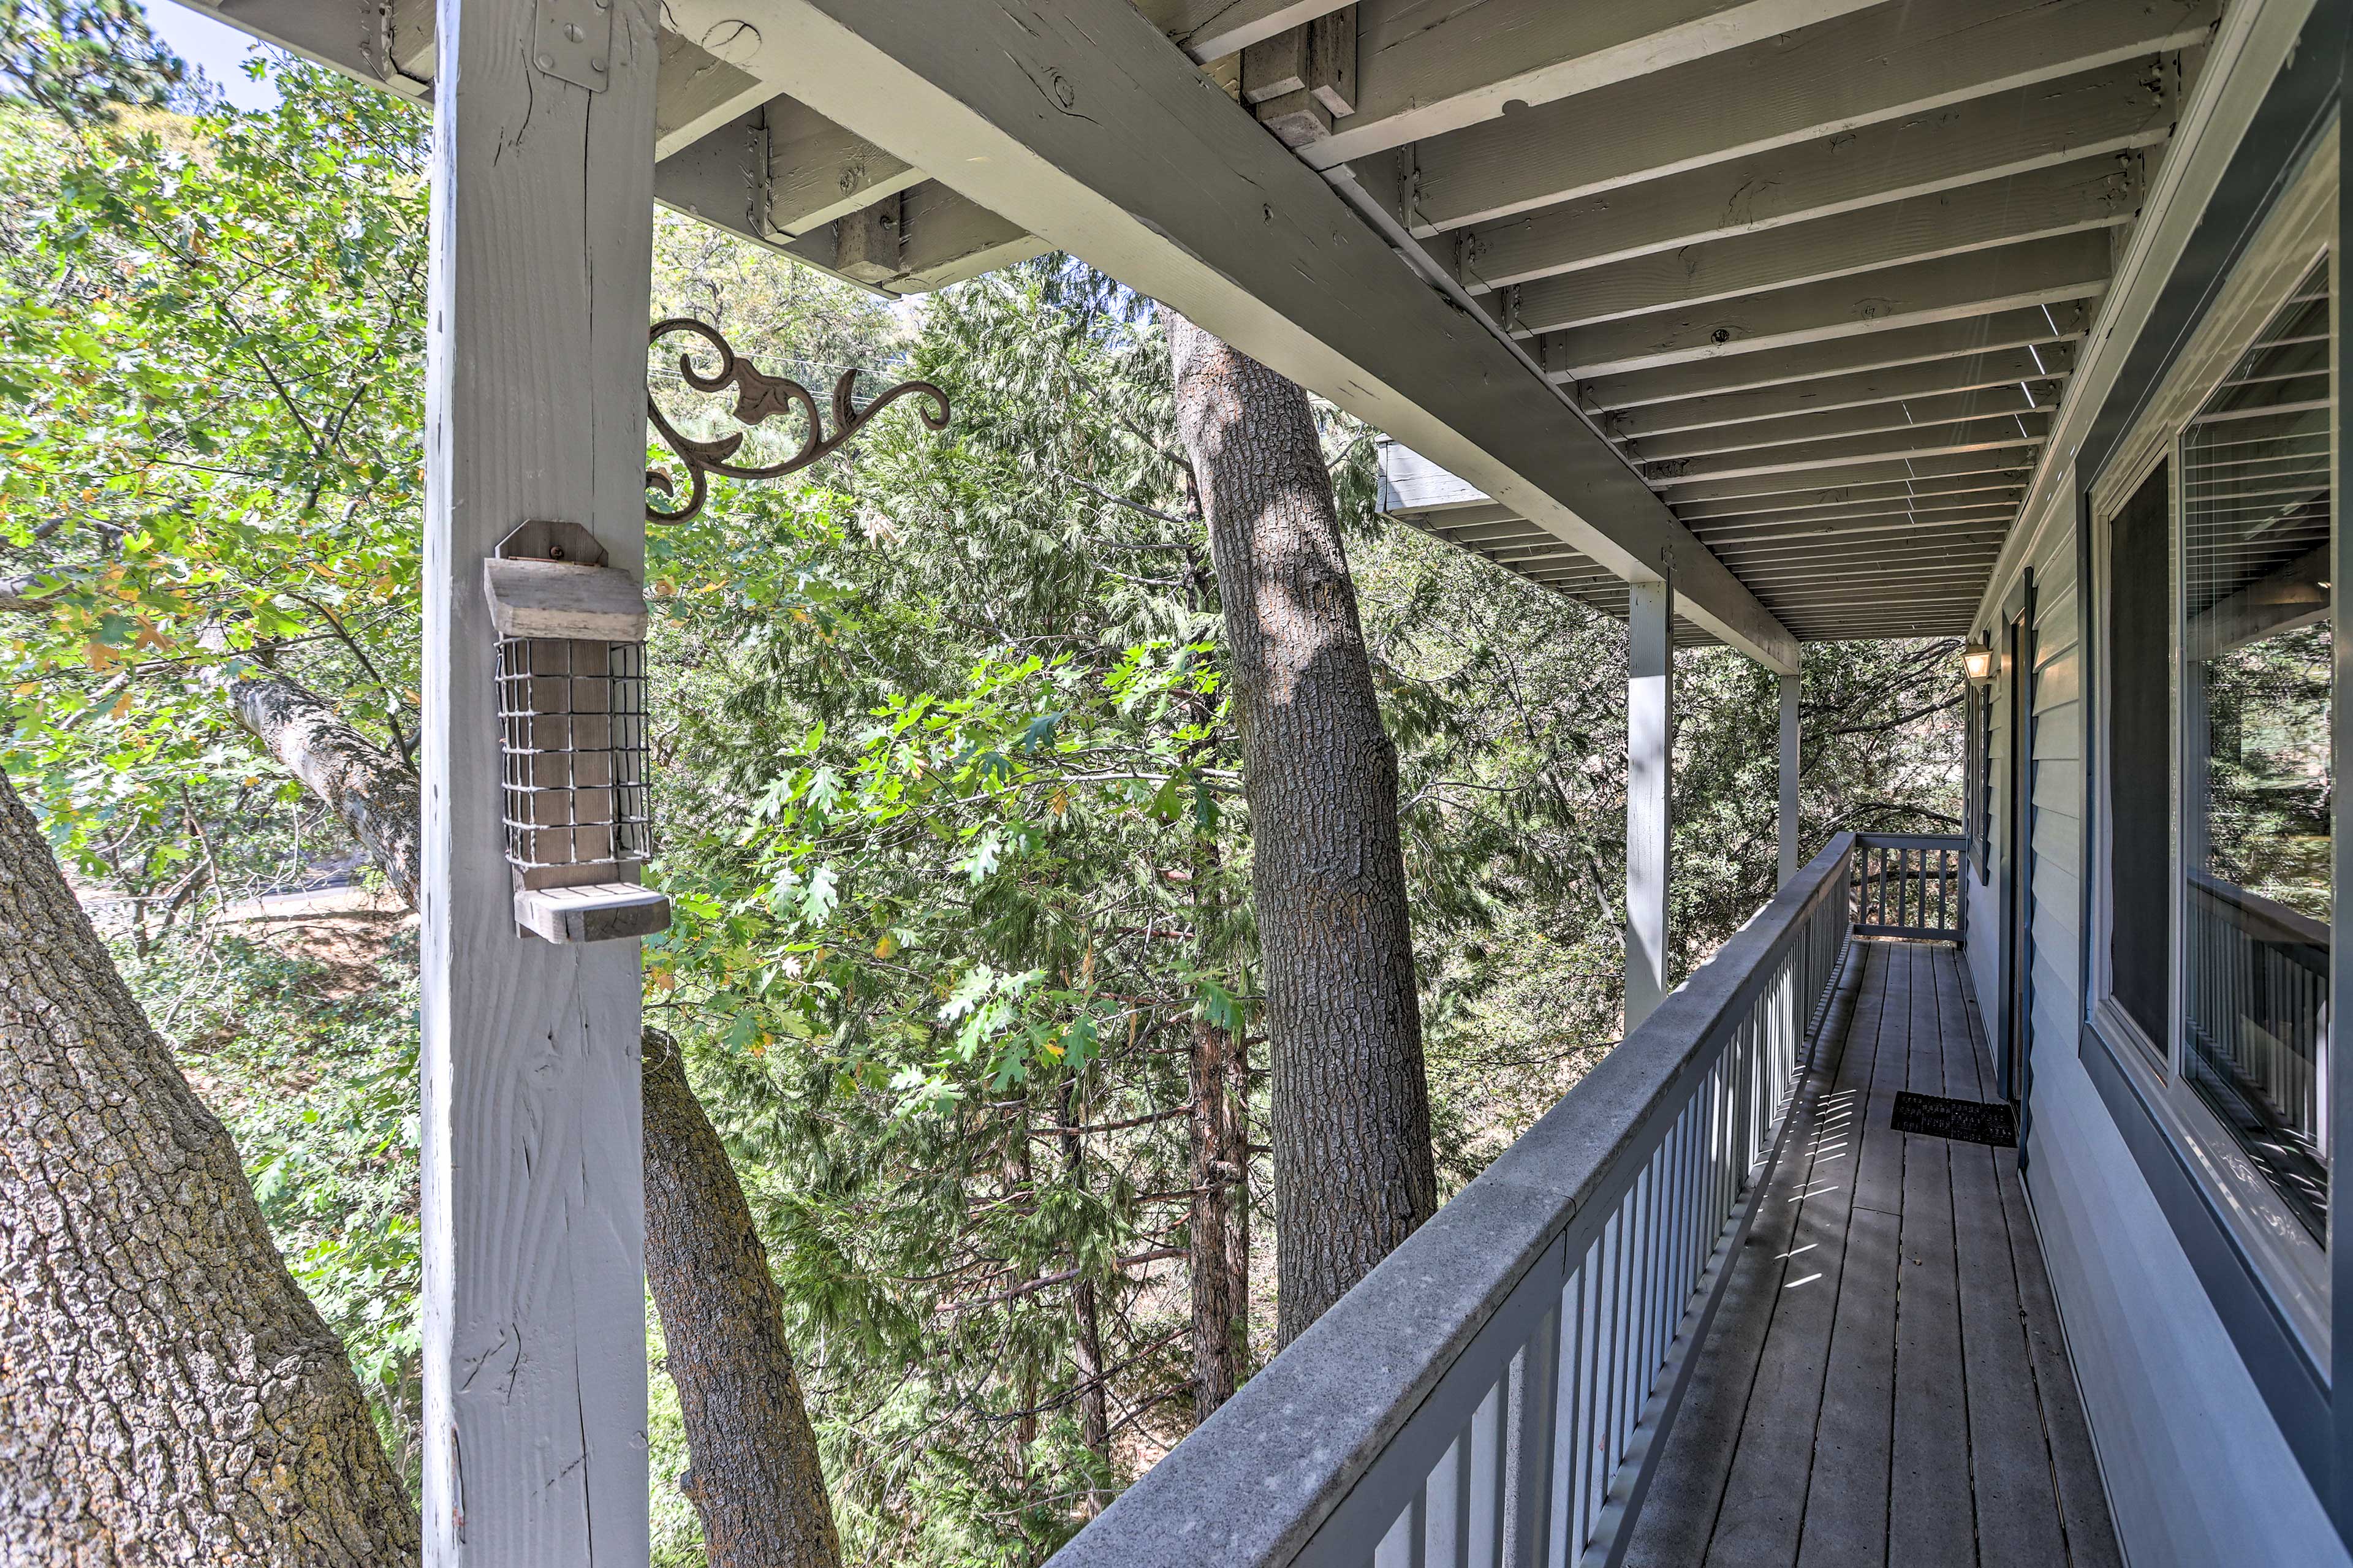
1885 1381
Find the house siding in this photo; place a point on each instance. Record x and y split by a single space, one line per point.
2196 1468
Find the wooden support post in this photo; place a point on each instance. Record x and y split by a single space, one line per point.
1788 821
1299 82
1650 743
866 242
533 1210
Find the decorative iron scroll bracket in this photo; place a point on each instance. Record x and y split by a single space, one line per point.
759 396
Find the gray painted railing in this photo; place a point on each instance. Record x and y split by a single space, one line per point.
1909 884
2255 998
1495 1394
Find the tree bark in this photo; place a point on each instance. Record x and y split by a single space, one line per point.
1087 1353
1237 1216
1214 1358
1353 1173
756 1482
167 1393
372 792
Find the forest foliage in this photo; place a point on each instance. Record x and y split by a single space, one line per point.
947 789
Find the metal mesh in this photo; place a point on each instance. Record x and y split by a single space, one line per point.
572 721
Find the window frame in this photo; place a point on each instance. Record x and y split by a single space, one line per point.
2291 1266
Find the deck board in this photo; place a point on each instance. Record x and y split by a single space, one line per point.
1885 1382
1846 1514
1679 1517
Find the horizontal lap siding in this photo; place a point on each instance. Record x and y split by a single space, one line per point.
2056 827
2196 1471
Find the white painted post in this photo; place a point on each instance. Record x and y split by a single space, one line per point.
1650 707
534 1201
1788 818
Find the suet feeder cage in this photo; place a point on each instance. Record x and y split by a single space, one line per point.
572 741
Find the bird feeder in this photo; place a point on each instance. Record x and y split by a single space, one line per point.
572 741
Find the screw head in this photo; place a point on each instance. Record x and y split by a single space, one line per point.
546 62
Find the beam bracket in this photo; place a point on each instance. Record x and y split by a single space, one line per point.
576 42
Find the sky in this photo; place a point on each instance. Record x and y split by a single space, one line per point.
214 48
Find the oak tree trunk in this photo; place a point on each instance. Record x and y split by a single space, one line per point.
757 1481
372 792
167 1393
1354 1173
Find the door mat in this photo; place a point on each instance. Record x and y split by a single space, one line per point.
1965 1121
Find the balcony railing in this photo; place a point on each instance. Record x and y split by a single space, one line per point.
1909 884
1497 1390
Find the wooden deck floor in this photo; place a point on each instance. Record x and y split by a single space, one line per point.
1884 1384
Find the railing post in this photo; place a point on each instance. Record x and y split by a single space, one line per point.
1650 718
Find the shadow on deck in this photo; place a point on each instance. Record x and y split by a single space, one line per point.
1884 1382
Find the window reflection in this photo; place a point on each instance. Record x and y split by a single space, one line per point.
2257 770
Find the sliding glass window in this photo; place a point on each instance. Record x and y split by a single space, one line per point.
2256 773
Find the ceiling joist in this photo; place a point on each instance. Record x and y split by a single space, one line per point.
2098 194
1902 166
1895 62
1910 413
2025 328
2046 365
1953 288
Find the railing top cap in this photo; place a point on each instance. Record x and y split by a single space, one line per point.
1260 1475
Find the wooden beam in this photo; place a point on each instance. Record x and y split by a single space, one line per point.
2040 272
2097 192
1426 67
1497 536
2005 460
2043 272
391 44
2016 134
1924 58
1803 456
1863 581
1299 82
1075 120
700 87
942 239
1209 29
355 37
2032 326
1873 584
1750 560
1446 523
1923 615
532 1208
1957 519
1988 403
1946 592
1837 501
2045 366
865 243
819 172
1996 510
